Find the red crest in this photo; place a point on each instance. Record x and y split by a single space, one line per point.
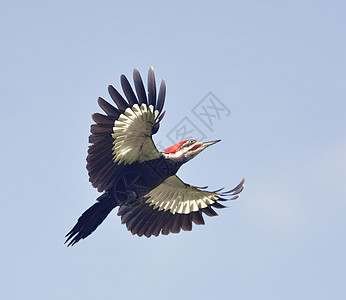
174 148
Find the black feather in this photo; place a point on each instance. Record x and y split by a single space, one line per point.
166 228
197 218
209 211
108 108
161 97
130 95
101 129
176 223
218 205
102 119
186 223
117 98
140 90
151 87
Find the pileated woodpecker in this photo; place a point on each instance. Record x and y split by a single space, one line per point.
124 163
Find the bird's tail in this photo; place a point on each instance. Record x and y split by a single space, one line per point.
91 219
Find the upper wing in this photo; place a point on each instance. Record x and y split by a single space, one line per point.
173 205
123 135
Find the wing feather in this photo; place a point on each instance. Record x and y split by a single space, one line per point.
117 98
186 223
140 90
130 95
102 119
151 87
161 96
123 135
108 108
197 218
162 221
173 206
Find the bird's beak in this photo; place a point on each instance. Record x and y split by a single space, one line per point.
207 144
198 148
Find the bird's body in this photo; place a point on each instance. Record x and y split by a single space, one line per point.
124 163
140 178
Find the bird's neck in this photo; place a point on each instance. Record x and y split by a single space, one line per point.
166 165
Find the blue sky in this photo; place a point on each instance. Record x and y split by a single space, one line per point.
280 67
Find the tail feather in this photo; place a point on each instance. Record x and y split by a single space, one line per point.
91 219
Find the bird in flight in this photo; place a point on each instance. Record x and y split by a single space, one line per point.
124 164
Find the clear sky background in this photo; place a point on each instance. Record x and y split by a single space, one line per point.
279 66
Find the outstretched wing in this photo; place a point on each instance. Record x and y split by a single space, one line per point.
172 206
123 135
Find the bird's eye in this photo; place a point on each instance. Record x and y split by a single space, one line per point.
188 143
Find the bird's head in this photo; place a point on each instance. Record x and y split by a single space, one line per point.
188 149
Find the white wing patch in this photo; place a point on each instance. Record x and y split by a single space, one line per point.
177 197
132 135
